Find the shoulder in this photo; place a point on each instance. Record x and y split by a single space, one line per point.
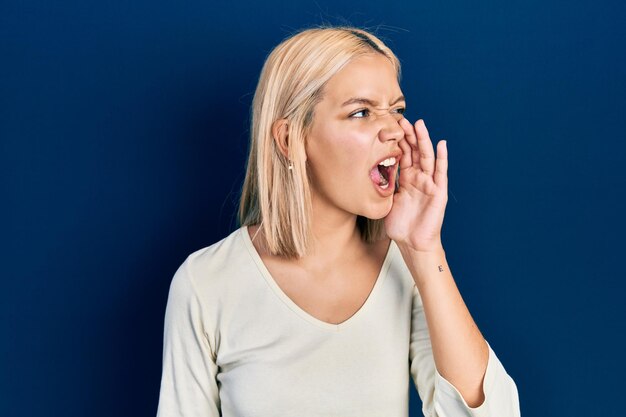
211 265
217 255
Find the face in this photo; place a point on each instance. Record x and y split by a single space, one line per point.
348 141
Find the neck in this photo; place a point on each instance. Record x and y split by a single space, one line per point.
335 233
335 236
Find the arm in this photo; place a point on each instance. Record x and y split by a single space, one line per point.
478 384
459 349
188 382
450 381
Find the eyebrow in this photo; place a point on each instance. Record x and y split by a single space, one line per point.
368 101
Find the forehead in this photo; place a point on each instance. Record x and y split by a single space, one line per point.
372 76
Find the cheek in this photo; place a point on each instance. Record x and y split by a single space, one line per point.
355 149
345 159
353 141
339 157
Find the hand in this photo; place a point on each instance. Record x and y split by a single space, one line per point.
416 216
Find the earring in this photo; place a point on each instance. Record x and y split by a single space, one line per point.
290 165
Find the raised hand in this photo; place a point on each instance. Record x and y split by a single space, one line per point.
419 204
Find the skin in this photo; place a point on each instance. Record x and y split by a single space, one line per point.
333 280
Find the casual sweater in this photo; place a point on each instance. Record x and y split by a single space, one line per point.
235 345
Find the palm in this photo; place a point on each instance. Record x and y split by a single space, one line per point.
418 207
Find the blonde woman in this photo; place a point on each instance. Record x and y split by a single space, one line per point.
335 291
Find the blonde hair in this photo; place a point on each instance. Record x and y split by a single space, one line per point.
291 83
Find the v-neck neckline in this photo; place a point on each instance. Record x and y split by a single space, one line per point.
245 235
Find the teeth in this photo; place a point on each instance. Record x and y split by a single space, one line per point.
384 183
388 162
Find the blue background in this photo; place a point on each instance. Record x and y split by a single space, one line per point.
124 131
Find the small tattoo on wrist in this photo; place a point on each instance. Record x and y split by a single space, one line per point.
440 268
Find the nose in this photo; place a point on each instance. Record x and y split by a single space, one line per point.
390 128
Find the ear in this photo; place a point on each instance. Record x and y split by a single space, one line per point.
280 130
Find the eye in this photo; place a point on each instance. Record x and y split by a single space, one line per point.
357 112
400 110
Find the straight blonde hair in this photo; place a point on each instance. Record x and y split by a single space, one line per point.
291 83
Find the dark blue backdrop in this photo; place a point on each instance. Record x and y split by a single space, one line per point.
124 131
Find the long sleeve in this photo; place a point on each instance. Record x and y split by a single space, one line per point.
439 397
188 383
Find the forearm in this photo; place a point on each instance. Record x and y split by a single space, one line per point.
459 349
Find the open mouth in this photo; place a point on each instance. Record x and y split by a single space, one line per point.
382 173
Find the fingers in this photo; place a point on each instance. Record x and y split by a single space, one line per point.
441 170
425 146
411 141
422 152
405 160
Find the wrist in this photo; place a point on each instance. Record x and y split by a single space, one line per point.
434 249
424 265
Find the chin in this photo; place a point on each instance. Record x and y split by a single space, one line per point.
379 210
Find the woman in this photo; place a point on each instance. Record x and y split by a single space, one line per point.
336 288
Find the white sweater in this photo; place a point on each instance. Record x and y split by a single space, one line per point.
235 345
